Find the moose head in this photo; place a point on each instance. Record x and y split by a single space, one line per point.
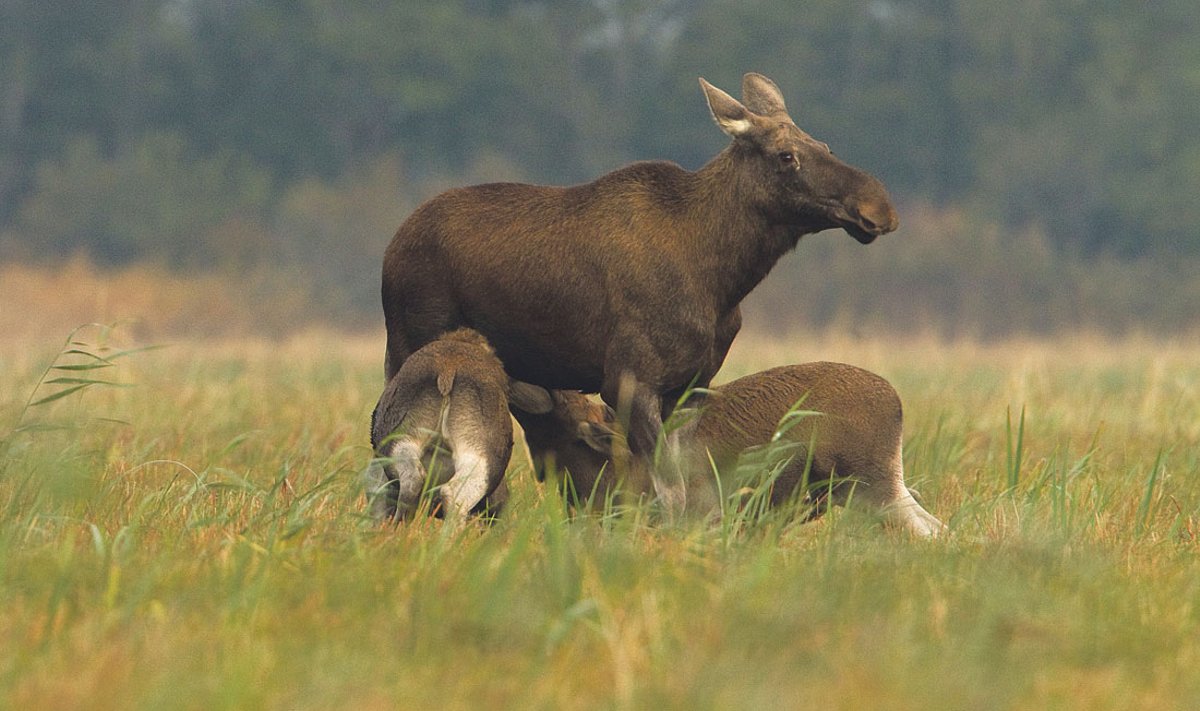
799 181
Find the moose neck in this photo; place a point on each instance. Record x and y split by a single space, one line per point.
736 240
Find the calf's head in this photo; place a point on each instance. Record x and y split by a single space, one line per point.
572 434
794 178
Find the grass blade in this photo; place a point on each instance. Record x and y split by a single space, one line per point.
59 395
84 366
1015 454
84 381
1143 512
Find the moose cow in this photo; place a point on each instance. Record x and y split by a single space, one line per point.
629 285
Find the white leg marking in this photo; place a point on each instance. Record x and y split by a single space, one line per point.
905 513
378 486
410 474
469 484
892 499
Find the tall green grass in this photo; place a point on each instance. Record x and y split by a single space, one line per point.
196 538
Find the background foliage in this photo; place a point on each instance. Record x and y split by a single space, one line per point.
236 135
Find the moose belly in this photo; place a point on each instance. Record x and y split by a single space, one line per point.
526 362
564 328
544 333
577 356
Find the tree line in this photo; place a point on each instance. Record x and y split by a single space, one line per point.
221 133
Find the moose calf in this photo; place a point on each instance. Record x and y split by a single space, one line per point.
444 414
841 423
570 438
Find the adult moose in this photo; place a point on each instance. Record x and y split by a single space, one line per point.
628 285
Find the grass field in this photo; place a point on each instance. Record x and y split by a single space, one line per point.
194 538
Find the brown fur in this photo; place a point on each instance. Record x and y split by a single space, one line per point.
449 395
853 443
571 441
856 435
628 285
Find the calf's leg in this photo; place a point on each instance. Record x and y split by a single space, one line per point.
469 484
885 494
380 481
410 475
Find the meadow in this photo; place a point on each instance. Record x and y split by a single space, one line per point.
184 528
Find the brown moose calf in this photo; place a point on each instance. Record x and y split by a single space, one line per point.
564 439
840 423
442 423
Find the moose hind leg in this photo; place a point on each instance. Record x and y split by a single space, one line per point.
381 486
891 499
469 484
410 475
906 514
396 351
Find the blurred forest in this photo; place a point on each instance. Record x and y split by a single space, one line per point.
1044 153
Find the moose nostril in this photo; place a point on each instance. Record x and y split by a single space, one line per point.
880 221
864 218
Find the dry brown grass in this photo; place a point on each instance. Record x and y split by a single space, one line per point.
41 303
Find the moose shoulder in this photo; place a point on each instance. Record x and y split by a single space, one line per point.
628 285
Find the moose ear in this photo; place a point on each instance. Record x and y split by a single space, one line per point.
733 118
529 398
597 436
761 95
610 415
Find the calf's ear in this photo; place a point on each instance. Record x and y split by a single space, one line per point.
529 398
597 436
610 415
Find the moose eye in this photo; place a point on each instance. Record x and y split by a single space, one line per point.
787 157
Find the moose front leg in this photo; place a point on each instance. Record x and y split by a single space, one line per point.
642 406
727 328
